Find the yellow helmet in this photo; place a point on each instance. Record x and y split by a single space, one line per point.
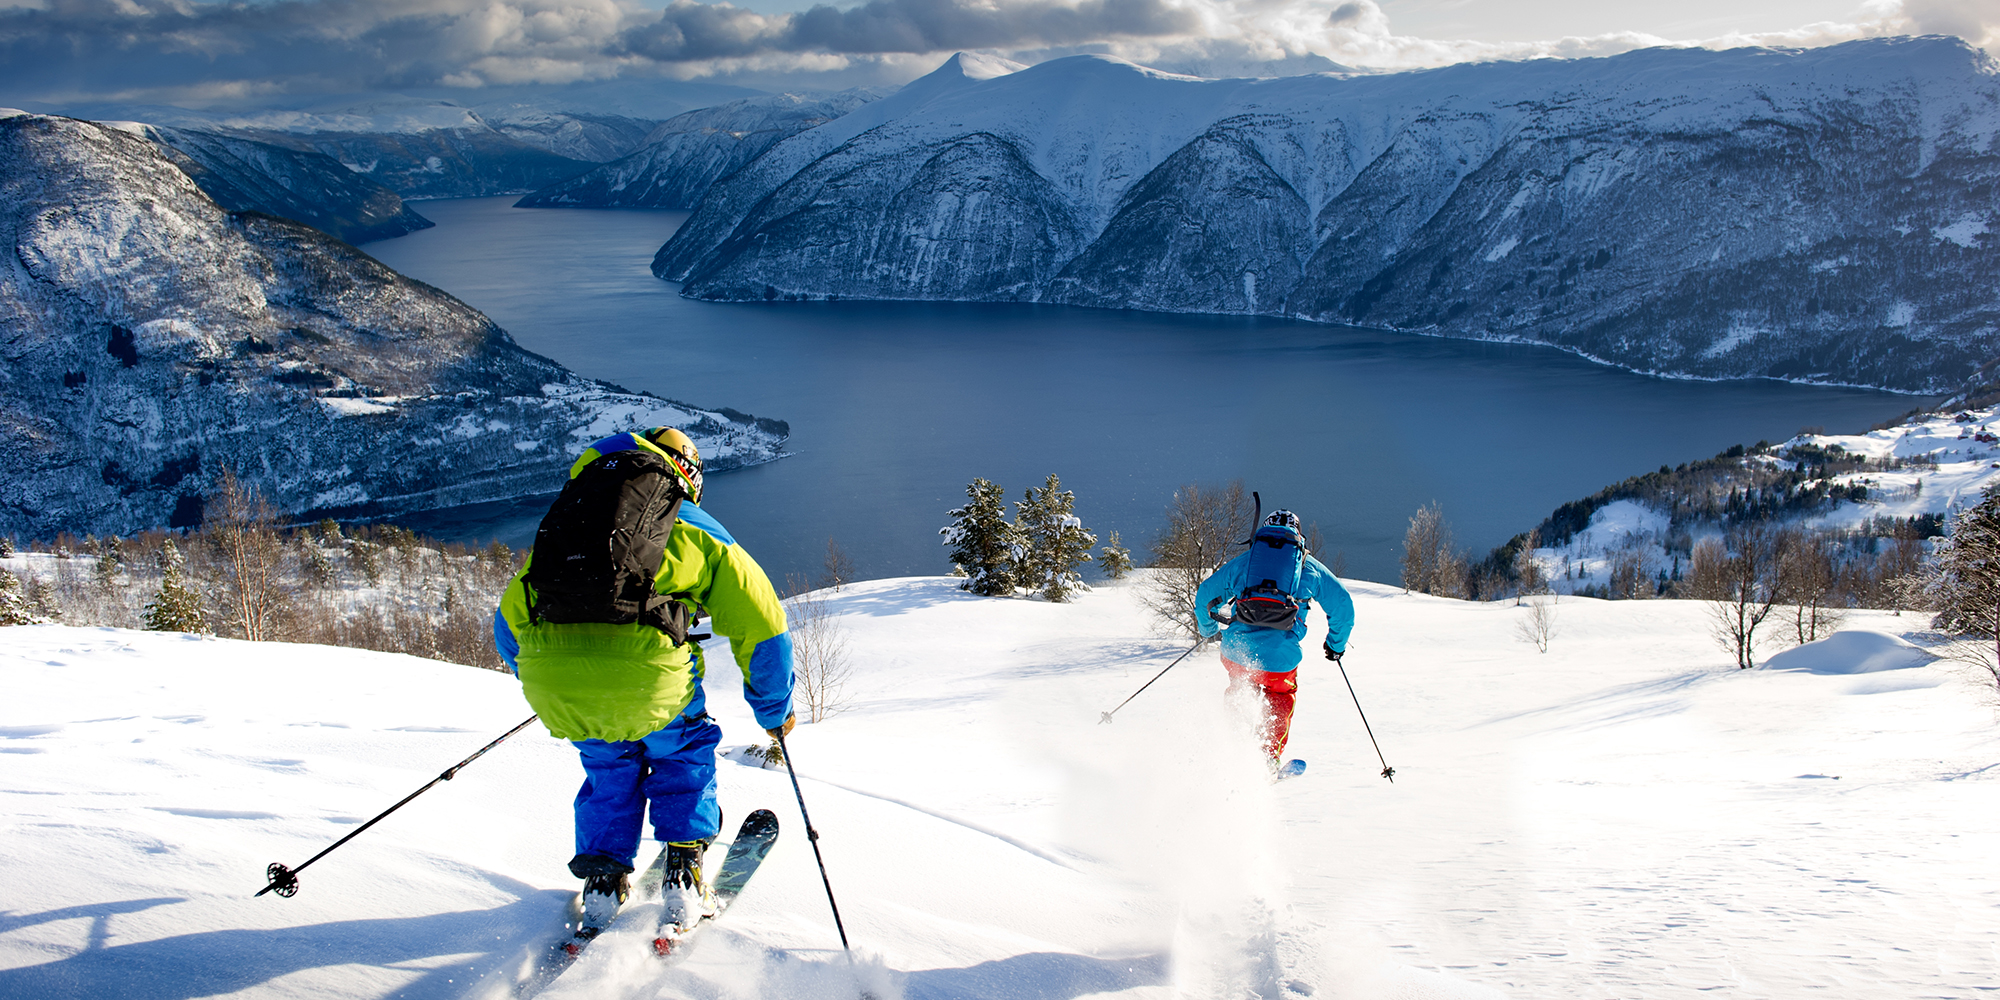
686 460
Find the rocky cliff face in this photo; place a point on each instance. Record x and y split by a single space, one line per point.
245 176
1823 215
686 154
152 339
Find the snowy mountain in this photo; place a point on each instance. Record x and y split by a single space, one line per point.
153 339
246 176
578 136
1818 215
685 154
1626 815
420 148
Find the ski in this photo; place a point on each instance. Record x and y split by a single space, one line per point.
753 841
1291 769
565 952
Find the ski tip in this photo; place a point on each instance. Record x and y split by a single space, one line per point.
663 946
1293 768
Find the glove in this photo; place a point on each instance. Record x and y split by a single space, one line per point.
1332 653
785 729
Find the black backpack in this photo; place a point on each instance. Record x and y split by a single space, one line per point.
598 549
1275 565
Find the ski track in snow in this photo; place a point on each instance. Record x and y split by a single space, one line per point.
1623 816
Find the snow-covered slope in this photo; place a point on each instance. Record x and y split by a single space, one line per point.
685 154
1806 214
1930 467
153 340
1961 449
312 188
1623 816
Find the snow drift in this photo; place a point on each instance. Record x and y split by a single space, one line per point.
1851 651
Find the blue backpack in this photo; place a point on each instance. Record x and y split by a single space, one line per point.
1272 572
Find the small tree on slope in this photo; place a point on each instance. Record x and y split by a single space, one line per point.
1737 577
982 543
175 607
1964 584
1204 528
1054 541
1115 559
14 608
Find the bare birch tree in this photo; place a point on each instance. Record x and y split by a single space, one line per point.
1205 527
1538 622
243 529
1737 579
1809 586
1431 562
819 652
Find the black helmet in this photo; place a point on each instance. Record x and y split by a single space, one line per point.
1284 519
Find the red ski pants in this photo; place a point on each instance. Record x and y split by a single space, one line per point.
1279 690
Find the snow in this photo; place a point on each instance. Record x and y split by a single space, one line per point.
1966 466
1621 816
1851 651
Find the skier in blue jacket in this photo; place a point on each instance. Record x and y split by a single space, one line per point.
1260 646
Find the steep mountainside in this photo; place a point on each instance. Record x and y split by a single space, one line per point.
1819 215
420 148
245 176
152 339
687 153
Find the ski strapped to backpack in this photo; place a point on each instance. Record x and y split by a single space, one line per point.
597 552
1276 561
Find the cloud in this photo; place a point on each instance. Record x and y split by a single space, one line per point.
1976 21
186 52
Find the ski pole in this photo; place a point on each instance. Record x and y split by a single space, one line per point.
1143 687
813 836
1387 771
285 881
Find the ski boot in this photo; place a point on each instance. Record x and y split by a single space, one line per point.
605 889
685 899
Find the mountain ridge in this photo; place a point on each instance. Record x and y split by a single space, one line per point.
1813 215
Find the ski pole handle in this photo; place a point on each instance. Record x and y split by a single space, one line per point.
285 881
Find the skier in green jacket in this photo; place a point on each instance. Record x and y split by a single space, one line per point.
630 698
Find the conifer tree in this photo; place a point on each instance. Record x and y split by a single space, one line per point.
982 543
1054 542
109 555
14 608
1965 582
1114 559
175 607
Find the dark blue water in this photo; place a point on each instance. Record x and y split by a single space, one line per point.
894 407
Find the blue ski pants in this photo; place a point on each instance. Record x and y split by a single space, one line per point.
673 769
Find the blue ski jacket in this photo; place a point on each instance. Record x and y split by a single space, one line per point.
1275 650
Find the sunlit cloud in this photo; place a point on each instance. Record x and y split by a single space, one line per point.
180 51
